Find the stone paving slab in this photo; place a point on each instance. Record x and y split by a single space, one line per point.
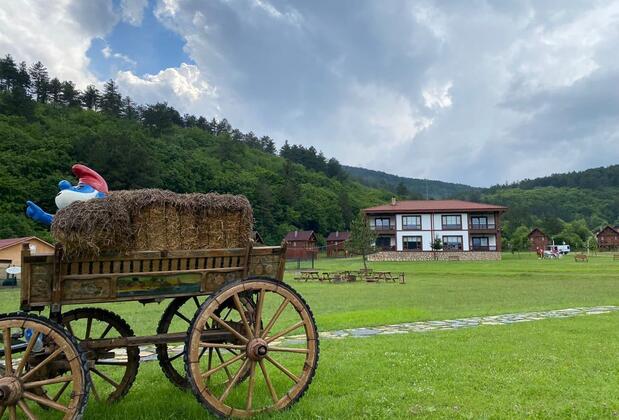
147 353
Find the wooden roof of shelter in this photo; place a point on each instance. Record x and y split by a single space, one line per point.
5 243
537 230
338 236
300 235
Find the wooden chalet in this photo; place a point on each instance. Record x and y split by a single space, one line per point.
608 238
538 240
301 244
336 244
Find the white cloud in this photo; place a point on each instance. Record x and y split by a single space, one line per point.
57 33
183 87
108 53
437 96
133 11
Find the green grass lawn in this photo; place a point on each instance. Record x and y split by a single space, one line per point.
551 368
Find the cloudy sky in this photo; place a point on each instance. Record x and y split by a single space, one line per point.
479 92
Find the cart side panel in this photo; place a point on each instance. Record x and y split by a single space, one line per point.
37 276
268 262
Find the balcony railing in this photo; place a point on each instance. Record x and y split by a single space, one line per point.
411 227
483 247
382 227
482 226
452 227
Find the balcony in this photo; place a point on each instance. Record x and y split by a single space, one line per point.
383 228
482 226
451 227
483 248
411 227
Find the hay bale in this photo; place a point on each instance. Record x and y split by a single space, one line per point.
153 220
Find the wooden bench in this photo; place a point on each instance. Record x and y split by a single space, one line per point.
581 258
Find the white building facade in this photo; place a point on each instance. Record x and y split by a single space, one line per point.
409 226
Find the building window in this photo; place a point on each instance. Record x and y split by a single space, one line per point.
383 242
479 222
411 243
382 223
452 221
411 222
452 243
480 243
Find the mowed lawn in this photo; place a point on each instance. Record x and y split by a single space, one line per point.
551 368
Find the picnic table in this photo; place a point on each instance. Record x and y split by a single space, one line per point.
306 275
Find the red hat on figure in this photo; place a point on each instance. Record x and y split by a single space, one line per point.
89 177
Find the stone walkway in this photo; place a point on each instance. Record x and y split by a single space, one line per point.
147 353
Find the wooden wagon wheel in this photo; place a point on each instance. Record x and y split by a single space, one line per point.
177 318
279 349
114 370
40 366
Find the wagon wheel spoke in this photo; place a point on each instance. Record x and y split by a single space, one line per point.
173 358
276 316
267 380
93 388
183 317
48 359
105 377
285 331
258 317
61 391
12 413
24 359
225 366
8 356
283 369
229 328
2 410
239 307
46 402
56 380
106 331
88 328
24 407
233 381
250 388
289 349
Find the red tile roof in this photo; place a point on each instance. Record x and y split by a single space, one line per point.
338 236
300 235
5 243
429 206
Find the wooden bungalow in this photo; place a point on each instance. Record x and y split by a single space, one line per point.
538 240
336 244
301 244
608 238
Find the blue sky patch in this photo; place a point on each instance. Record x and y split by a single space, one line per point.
148 48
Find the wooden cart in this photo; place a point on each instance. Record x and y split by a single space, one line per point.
233 333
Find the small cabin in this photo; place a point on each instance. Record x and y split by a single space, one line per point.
10 250
301 244
538 240
608 238
336 244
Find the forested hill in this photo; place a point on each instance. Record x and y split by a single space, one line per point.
594 178
412 188
36 154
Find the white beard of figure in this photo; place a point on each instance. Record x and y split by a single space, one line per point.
66 197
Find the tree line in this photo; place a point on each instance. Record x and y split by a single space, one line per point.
26 85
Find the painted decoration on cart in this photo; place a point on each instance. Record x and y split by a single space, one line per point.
90 185
148 285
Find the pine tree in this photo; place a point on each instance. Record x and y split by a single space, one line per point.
111 101
70 95
90 97
40 81
8 73
129 110
54 90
